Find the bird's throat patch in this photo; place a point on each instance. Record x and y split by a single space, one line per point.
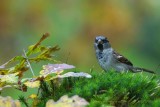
100 47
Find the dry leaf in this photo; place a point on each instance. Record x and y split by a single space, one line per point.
32 83
9 78
64 101
72 74
39 42
55 68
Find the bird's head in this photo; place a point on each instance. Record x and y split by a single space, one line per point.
101 43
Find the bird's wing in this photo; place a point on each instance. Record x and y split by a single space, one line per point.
121 58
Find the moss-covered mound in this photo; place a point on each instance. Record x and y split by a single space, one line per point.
108 89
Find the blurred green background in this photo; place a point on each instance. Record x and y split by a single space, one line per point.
132 26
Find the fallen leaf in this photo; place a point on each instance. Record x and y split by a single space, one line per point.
32 83
65 101
72 74
55 68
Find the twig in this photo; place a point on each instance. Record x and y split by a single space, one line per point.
28 63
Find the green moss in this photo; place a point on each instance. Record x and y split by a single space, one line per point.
112 89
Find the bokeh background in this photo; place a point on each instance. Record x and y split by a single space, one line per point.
132 26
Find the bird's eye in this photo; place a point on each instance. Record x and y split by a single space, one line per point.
96 40
105 40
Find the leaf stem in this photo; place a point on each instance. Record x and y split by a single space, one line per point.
28 63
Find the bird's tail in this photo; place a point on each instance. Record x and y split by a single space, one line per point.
137 69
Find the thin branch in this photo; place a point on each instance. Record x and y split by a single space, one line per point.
28 63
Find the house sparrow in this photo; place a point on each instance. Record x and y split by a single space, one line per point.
109 59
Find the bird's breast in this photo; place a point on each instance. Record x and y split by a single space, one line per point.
105 60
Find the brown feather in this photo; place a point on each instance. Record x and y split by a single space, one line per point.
122 59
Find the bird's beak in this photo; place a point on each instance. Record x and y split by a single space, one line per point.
100 41
100 44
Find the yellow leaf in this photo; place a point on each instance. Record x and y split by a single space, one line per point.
9 78
32 84
45 73
33 96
